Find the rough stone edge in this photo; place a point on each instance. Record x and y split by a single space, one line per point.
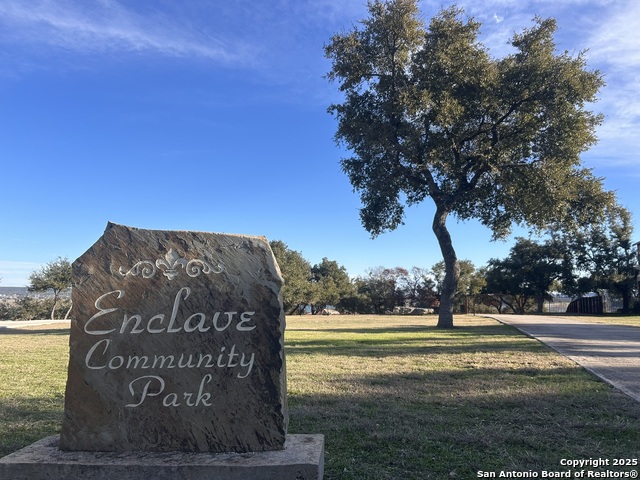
301 459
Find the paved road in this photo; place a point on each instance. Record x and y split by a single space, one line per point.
611 352
8 324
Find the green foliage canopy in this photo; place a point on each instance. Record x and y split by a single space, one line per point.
296 271
331 283
529 272
603 255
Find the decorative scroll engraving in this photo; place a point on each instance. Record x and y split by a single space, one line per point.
196 267
145 268
170 266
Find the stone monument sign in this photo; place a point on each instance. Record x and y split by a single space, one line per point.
177 345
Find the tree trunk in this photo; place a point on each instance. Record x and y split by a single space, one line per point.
66 317
540 302
510 304
451 268
55 304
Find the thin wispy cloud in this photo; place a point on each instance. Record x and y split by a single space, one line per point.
607 31
281 43
615 39
14 273
108 26
615 50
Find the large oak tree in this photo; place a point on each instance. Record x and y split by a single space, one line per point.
428 112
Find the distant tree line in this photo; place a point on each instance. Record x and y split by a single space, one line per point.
601 257
315 288
327 285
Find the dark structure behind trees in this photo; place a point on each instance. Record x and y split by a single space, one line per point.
587 305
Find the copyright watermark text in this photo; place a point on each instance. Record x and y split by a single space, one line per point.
578 468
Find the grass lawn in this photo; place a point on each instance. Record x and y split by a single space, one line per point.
395 397
33 372
631 320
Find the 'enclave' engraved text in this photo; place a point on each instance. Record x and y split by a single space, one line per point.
101 357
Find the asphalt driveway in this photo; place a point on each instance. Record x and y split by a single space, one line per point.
611 352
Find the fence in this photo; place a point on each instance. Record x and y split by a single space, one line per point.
588 305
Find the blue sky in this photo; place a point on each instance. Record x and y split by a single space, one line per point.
211 115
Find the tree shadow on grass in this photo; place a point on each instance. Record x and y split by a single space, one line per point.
445 410
494 329
24 420
383 348
428 424
410 340
394 329
34 331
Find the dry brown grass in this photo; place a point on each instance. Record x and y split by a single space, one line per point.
398 398
395 397
631 320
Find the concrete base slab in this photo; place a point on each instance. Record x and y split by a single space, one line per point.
301 459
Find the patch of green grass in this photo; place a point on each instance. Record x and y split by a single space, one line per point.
33 372
395 397
398 398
